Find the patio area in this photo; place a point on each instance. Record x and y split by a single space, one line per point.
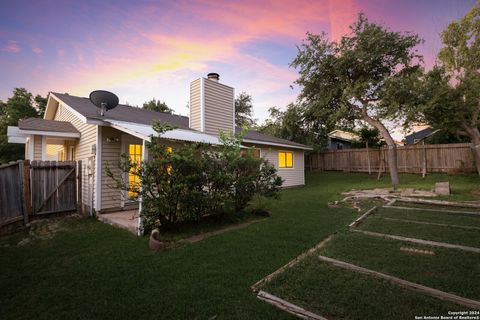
127 219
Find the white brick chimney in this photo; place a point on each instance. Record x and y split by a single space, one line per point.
212 105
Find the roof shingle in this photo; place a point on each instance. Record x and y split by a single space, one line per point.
37 124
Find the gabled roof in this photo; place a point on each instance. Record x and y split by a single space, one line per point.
122 112
343 135
134 115
37 124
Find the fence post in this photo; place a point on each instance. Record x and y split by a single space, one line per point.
79 188
27 196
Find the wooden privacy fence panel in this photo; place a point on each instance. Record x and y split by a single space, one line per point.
410 159
12 197
54 187
29 190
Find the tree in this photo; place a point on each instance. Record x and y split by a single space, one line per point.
17 107
244 110
348 80
157 105
451 91
369 137
41 104
296 124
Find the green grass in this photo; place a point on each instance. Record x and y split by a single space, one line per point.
91 270
429 216
208 224
448 270
421 231
339 294
399 203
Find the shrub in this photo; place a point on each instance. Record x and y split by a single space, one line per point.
195 180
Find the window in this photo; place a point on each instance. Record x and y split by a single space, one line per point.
135 154
285 159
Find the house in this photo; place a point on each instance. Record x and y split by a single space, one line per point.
339 139
419 133
74 129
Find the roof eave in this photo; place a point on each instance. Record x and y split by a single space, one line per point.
277 144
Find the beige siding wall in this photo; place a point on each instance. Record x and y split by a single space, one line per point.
83 148
37 147
218 107
111 151
195 105
292 176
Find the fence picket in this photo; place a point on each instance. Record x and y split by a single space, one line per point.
452 158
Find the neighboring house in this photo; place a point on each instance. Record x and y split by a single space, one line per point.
73 129
418 134
338 139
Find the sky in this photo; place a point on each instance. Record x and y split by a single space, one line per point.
153 49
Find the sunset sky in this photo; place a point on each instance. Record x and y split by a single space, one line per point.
153 49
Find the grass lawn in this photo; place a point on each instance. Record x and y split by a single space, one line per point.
429 216
448 270
459 236
91 270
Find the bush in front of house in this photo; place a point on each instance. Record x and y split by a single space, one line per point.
195 180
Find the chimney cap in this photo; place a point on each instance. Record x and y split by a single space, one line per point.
213 76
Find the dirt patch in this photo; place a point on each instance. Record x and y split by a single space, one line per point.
44 229
386 193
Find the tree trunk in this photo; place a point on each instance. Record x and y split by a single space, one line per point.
474 135
392 148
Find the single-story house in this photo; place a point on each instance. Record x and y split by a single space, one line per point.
419 133
74 129
339 139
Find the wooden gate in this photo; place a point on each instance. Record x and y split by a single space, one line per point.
54 186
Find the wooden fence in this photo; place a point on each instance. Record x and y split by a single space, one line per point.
30 190
452 158
14 204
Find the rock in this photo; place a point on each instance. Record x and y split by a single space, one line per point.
442 188
154 243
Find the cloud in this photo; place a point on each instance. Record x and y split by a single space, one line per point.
61 53
12 46
341 15
37 50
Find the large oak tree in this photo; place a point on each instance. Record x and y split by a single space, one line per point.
347 80
451 91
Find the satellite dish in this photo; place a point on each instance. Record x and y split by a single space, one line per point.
104 100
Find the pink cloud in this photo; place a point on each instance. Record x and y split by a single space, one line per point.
341 15
37 50
61 53
12 46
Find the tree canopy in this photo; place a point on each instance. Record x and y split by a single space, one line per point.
296 124
448 96
157 105
18 106
244 110
351 79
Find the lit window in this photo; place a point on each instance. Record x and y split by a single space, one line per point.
285 159
135 154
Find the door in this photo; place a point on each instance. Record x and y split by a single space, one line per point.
135 156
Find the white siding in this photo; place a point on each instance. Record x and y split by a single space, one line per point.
219 111
292 176
83 147
111 151
195 105
37 147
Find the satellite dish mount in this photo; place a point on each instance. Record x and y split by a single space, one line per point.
104 100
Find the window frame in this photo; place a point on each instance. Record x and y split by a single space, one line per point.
285 152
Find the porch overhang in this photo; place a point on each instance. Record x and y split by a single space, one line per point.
35 126
145 132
